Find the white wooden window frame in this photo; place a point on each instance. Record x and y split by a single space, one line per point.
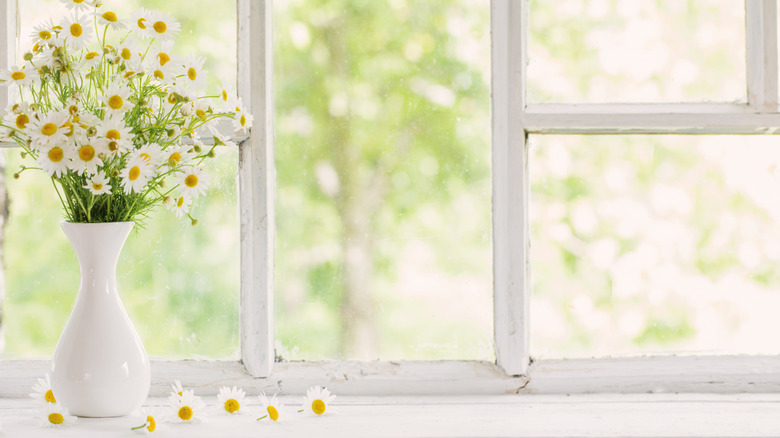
512 121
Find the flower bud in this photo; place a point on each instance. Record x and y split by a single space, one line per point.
167 200
115 173
28 56
162 183
212 154
17 176
195 222
197 148
24 154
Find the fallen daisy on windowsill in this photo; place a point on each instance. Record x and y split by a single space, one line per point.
55 415
150 424
316 401
273 409
185 408
230 400
42 391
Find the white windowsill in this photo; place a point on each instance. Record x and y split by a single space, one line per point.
607 415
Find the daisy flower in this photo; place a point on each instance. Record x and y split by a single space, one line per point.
180 206
229 398
140 23
151 154
194 75
77 31
317 400
55 415
163 26
272 407
21 76
45 131
131 56
90 60
78 5
242 122
185 407
135 175
150 424
109 18
176 389
162 55
226 95
87 157
178 156
116 98
55 161
165 74
42 391
44 34
98 185
113 129
18 119
193 182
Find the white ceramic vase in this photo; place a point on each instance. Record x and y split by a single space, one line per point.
100 367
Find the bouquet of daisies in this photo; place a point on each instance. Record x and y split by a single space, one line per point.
116 123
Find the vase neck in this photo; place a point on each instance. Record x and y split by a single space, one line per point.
97 246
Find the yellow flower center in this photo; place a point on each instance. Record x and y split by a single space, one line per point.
49 129
126 54
318 406
116 102
49 396
231 405
224 95
152 425
110 16
164 58
273 413
172 99
160 27
191 181
18 75
113 134
35 47
179 203
22 120
201 114
73 110
113 146
44 34
70 128
159 74
174 159
86 153
192 74
55 155
242 120
91 55
78 1
128 74
133 175
185 413
76 30
56 418
97 187
146 157
140 23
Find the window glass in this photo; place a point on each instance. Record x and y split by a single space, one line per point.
383 203
179 283
654 244
636 51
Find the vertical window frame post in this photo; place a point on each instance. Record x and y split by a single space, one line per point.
761 54
257 186
511 285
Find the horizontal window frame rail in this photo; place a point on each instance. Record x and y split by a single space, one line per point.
628 375
701 119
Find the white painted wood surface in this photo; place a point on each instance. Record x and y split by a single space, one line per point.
511 290
761 54
8 16
257 186
496 416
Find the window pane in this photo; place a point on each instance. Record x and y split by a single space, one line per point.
383 202
654 244
636 51
179 283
